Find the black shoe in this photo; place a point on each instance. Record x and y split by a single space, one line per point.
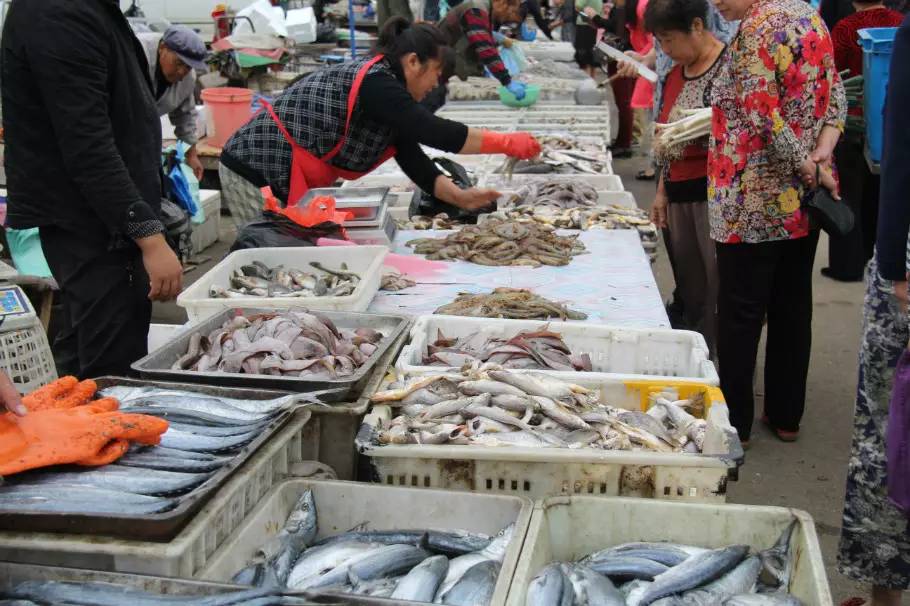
621 152
643 175
829 273
676 313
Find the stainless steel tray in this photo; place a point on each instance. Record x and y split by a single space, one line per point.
363 202
157 365
162 526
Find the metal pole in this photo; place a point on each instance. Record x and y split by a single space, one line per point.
353 31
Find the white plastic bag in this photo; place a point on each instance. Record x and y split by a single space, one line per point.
265 18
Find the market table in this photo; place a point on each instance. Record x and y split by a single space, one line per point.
612 283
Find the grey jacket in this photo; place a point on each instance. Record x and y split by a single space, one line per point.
178 101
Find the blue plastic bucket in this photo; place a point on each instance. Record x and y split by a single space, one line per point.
877 43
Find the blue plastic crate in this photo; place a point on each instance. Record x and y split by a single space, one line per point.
876 43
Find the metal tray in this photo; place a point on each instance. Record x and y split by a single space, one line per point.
162 526
157 365
363 202
11 574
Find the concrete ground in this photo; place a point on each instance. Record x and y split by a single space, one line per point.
807 475
810 473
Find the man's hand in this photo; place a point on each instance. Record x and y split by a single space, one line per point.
10 399
163 267
625 69
475 198
192 160
824 146
590 13
659 210
900 293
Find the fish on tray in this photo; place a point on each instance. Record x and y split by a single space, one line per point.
295 343
513 303
259 280
540 349
205 433
486 405
668 574
502 242
42 593
446 566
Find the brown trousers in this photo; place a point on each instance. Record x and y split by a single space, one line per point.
695 269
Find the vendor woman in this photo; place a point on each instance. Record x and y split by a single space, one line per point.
344 121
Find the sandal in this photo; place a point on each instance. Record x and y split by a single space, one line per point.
644 175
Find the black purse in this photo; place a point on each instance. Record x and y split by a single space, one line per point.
831 215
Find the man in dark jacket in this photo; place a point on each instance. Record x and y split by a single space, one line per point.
83 149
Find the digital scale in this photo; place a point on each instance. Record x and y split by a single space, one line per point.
16 311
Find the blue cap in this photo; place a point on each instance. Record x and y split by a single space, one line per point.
187 45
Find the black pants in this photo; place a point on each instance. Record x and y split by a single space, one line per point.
848 255
106 309
772 279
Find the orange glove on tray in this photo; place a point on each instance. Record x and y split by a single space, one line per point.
62 427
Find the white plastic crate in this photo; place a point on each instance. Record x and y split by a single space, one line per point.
189 552
207 233
26 358
342 506
616 353
557 51
544 472
364 260
568 528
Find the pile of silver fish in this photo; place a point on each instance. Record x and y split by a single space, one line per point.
259 280
514 303
205 434
448 567
548 68
501 243
540 349
292 343
52 593
667 574
559 162
485 405
487 89
591 145
556 194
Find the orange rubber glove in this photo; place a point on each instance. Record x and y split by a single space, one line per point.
516 145
93 434
65 392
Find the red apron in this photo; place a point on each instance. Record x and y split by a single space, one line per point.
308 171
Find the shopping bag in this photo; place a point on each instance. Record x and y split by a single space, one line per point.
897 437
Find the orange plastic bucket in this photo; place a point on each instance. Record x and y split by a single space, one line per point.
228 109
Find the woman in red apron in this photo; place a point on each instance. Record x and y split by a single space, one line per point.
344 121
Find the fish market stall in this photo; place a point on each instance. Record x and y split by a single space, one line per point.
396 529
623 292
602 531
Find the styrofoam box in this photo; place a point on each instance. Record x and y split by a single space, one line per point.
341 506
616 353
598 182
207 233
544 472
364 260
568 528
189 552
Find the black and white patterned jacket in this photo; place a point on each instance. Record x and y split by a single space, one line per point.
314 111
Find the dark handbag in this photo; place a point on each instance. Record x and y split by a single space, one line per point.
833 216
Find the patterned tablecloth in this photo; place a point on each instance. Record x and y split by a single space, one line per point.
612 283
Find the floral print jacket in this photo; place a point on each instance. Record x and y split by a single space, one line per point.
776 90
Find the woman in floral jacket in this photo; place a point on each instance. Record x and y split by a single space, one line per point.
779 109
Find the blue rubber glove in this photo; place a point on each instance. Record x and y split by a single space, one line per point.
517 88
